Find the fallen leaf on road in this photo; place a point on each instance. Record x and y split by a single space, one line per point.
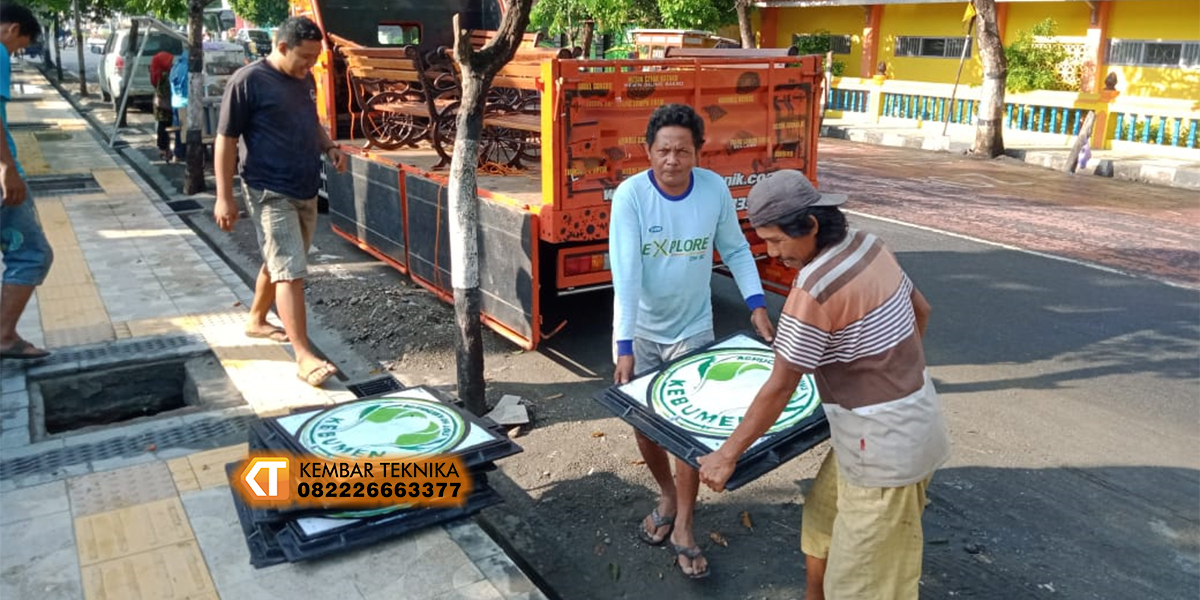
615 570
717 538
554 397
599 550
746 520
637 462
151 447
597 434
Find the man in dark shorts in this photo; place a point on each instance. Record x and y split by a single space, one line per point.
269 121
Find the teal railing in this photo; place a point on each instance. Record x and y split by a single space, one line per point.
929 108
848 100
1178 132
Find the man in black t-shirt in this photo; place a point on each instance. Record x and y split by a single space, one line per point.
269 115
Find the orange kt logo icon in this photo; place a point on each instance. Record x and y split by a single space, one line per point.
277 479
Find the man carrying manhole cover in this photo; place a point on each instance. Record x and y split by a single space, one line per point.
854 320
27 254
665 224
269 121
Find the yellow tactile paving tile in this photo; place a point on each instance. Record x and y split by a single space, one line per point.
115 181
173 572
128 531
76 336
147 327
181 471
69 298
209 466
29 152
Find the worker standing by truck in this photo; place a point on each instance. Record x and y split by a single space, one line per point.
665 224
269 121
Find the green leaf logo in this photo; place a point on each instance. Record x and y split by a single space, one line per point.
703 368
418 438
366 411
387 413
728 370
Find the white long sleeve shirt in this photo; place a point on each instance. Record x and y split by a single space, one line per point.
661 252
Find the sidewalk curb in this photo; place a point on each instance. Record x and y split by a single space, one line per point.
1129 170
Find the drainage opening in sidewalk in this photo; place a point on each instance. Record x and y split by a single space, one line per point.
185 206
111 387
64 184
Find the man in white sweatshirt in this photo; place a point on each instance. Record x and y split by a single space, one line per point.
665 224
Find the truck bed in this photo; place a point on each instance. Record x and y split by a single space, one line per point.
524 187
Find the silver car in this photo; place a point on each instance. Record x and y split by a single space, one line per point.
118 51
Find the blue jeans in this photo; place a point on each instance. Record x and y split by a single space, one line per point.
27 254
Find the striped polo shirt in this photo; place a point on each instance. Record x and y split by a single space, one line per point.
849 319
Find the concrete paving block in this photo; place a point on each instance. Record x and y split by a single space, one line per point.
39 559
1187 179
33 449
14 418
103 491
14 438
33 502
53 369
121 462
132 530
215 522
12 382
480 590
58 474
473 540
173 572
505 576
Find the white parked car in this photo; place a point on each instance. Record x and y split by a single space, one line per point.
220 60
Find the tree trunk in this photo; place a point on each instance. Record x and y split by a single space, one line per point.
589 30
464 245
989 133
57 50
477 69
744 26
193 177
79 50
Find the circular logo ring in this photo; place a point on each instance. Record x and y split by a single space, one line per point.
708 393
386 427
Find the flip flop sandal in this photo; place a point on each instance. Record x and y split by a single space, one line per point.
22 351
275 335
659 521
318 375
692 554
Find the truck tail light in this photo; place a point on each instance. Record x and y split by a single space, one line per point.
120 62
580 264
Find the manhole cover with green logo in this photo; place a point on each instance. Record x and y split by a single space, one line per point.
693 404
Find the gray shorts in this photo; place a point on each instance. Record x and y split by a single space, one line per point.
285 227
648 355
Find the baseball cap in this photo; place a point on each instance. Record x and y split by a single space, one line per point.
783 194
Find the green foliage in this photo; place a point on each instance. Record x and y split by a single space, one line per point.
820 42
1032 66
705 15
617 16
264 13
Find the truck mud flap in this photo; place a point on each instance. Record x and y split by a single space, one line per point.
506 255
365 204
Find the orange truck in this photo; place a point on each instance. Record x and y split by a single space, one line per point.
544 230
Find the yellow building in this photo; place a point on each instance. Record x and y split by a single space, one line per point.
1152 46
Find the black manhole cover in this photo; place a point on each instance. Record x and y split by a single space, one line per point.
185 206
64 184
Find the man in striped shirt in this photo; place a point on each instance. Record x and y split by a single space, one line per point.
854 320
